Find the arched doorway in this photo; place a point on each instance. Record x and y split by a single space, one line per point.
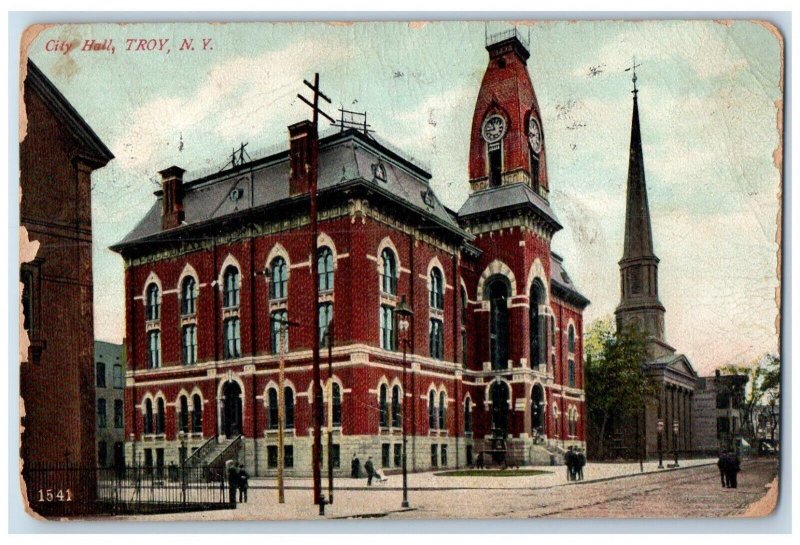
498 393
231 409
538 330
537 410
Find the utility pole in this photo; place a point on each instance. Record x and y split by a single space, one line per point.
404 314
329 336
312 171
284 328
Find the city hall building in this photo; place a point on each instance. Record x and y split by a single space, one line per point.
494 345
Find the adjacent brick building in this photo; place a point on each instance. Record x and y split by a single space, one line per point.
109 379
496 337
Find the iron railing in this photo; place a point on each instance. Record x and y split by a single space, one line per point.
196 458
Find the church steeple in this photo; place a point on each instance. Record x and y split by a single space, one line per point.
639 305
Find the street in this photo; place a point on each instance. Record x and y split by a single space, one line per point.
611 490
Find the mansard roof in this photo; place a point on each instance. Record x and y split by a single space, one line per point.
562 284
508 197
346 160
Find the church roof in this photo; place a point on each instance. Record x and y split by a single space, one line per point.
638 233
508 197
346 159
562 284
677 363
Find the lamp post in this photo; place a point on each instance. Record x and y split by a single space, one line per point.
404 313
675 429
660 429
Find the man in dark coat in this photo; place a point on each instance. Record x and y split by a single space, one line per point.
722 464
733 468
580 462
569 461
243 484
370 469
355 468
233 482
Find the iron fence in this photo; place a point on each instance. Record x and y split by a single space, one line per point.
67 491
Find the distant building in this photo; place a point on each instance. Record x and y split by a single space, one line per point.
57 156
716 414
109 399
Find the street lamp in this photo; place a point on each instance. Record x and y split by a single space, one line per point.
404 314
660 429
675 429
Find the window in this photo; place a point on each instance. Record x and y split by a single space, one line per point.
288 410
442 410
470 460
160 416
272 456
336 456
119 414
325 268
497 292
153 303
325 319
279 280
495 152
288 456
398 454
385 454
396 423
436 339
389 275
382 395
443 455
148 459
188 297
468 415
336 394
432 420
160 462
154 349
571 340
197 414
463 307
434 455
280 326
556 427
101 413
100 374
571 372
437 289
102 453
183 415
189 351
388 337
148 416
272 409
233 341
464 346
573 422
119 380
538 331
230 287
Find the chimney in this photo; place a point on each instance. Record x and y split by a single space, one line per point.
172 203
303 145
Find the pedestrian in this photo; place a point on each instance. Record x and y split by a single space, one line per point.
722 464
370 469
569 461
734 466
479 461
243 484
355 467
233 482
581 461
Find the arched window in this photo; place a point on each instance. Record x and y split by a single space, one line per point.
383 408
153 306
148 416
432 420
571 372
325 268
233 338
573 421
571 339
197 414
389 276
436 339
336 402
279 284
272 408
230 298
161 416
497 292
288 400
442 410
556 427
437 289
183 415
468 415
396 422
188 296
538 325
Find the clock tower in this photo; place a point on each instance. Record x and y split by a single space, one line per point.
507 143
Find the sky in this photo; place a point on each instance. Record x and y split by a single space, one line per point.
709 101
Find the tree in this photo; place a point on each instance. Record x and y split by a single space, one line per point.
616 384
763 390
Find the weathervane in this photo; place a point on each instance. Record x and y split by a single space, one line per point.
633 67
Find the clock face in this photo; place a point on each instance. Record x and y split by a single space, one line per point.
494 128
534 135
